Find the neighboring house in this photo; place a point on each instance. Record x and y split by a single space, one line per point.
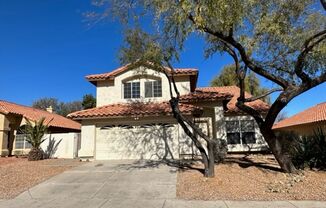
305 122
64 134
133 118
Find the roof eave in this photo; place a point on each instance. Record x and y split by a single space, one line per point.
126 116
295 125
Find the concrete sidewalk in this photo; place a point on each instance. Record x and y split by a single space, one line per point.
124 184
154 203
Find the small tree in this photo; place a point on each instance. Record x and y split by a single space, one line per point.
35 133
89 101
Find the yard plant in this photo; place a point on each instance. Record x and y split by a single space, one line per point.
35 136
310 151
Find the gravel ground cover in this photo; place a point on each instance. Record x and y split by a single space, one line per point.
19 174
251 178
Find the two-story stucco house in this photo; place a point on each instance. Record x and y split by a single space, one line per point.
133 118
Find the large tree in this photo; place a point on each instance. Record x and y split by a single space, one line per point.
228 77
283 41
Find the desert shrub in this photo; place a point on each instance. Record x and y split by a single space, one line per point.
310 151
220 150
35 133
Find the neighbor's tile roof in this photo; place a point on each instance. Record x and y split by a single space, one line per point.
235 91
131 109
311 115
36 114
205 96
112 74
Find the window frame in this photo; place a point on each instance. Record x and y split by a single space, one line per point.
239 130
132 90
154 92
24 145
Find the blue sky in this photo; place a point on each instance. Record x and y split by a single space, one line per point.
46 49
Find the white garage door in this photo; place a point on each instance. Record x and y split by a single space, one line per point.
146 141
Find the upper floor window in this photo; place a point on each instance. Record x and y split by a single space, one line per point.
153 89
131 90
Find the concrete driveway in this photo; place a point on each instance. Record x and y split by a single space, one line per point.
124 184
103 184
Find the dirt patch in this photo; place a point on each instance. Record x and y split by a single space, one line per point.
8 160
18 174
251 178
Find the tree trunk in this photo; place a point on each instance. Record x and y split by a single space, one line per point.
210 171
10 144
279 151
207 159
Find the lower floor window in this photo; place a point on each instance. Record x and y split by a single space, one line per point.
240 132
21 142
233 138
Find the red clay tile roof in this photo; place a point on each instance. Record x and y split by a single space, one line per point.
235 91
131 109
36 114
205 96
112 74
311 115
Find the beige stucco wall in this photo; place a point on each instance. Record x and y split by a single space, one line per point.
8 126
111 91
219 124
305 129
67 145
88 135
4 130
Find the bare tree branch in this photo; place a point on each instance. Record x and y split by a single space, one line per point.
263 95
245 58
306 48
323 3
241 99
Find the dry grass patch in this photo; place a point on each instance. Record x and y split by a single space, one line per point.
251 178
18 174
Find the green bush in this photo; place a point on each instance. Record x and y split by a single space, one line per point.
310 151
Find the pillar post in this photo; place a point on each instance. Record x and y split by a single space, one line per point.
219 122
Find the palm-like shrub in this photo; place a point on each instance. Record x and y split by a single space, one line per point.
35 133
310 151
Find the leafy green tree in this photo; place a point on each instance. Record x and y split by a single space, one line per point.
228 77
35 136
89 101
283 41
